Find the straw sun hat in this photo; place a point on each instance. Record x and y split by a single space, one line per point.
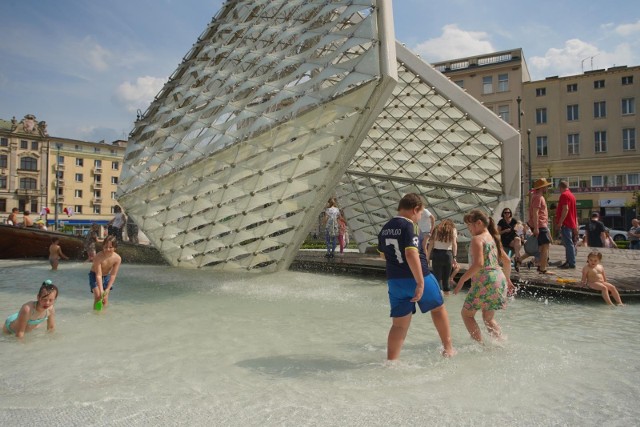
540 183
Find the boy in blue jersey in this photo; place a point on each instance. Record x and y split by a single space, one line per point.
409 279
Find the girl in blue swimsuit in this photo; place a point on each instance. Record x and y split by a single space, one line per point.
33 313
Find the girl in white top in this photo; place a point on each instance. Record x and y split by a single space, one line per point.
442 251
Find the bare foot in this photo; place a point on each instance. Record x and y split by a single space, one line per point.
449 353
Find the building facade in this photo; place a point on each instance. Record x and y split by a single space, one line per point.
583 129
51 176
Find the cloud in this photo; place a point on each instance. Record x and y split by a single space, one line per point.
577 56
455 43
138 95
628 29
94 55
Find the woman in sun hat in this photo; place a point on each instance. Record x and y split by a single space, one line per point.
538 221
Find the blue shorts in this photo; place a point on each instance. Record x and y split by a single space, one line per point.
93 284
402 290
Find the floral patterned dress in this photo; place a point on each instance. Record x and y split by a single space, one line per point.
488 286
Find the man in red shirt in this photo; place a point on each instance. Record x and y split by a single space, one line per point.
567 223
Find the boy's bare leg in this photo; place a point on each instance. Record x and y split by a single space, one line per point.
471 324
440 319
397 335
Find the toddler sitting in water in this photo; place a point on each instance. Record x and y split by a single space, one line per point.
593 276
33 313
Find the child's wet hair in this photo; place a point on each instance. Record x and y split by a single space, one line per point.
595 254
112 239
47 288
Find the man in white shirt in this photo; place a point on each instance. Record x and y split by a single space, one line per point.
427 223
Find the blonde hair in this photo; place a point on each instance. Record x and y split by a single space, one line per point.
595 254
444 231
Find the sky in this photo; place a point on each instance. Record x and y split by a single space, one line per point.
86 67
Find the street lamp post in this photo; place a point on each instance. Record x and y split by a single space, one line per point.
522 189
55 219
529 148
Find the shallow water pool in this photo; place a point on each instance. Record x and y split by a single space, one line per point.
186 347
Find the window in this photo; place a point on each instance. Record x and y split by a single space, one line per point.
24 144
460 83
113 195
600 139
97 194
629 139
28 184
572 112
78 148
3 161
97 163
573 143
29 164
627 80
78 194
573 87
60 175
115 166
503 112
60 191
599 109
541 91
79 177
597 181
598 84
503 82
4 142
114 180
34 145
97 178
574 182
3 181
633 179
541 116
96 209
541 146
96 149
77 209
487 84
628 106
61 160
3 205
79 161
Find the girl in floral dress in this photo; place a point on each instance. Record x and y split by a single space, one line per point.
489 283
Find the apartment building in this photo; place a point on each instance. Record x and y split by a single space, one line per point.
494 79
75 179
583 128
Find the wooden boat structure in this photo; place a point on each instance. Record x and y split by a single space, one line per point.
32 243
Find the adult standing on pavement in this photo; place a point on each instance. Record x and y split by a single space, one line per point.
594 232
426 223
567 223
538 221
634 235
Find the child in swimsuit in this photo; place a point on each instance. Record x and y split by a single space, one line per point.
33 313
55 253
593 276
489 283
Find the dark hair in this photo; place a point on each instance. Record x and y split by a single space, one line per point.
46 288
410 202
476 215
55 239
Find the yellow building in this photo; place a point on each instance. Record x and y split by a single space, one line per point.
583 128
88 174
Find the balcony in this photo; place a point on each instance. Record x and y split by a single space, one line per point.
97 184
97 200
58 166
31 192
97 170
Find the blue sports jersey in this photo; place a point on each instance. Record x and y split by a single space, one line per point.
398 235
